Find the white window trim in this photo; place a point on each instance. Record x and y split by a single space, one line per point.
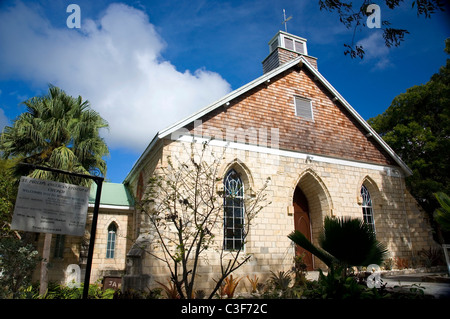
280 36
310 105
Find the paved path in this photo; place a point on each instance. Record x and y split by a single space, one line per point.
439 290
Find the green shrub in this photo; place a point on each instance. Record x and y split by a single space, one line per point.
17 263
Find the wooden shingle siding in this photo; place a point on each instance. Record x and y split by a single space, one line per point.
281 56
334 132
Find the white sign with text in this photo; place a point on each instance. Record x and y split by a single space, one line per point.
50 207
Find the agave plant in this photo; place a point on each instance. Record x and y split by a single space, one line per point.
230 285
346 242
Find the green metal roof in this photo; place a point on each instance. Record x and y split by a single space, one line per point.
114 194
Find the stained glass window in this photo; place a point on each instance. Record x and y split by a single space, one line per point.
233 211
367 208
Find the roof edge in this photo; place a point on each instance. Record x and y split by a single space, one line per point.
230 96
247 87
360 120
140 159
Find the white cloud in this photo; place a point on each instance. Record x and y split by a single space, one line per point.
114 62
376 52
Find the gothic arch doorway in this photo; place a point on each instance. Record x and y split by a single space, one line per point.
302 223
312 202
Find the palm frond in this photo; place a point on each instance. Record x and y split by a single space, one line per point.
345 241
57 130
351 241
442 214
300 239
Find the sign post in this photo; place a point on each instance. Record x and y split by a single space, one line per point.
50 207
75 223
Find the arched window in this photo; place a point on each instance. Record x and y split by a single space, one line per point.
111 243
233 205
367 208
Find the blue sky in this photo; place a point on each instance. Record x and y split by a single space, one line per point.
147 64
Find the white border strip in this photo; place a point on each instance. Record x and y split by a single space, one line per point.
389 170
113 207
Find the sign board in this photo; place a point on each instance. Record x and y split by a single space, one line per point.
50 207
112 283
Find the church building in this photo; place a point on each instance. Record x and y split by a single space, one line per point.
321 156
290 125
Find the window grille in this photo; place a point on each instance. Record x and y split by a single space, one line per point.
289 44
299 47
303 108
367 208
233 211
293 45
111 243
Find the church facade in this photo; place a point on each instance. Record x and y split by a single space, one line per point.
290 125
323 159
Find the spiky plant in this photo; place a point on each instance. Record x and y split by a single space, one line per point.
345 241
58 131
442 214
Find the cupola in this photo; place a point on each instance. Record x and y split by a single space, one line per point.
283 48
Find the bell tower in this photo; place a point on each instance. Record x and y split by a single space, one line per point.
284 47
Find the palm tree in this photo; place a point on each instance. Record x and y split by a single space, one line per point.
57 131
345 242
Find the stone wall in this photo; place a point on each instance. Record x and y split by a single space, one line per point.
102 266
76 248
332 188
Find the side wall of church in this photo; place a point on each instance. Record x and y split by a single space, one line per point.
76 248
332 188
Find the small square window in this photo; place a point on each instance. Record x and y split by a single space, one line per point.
303 107
289 44
299 47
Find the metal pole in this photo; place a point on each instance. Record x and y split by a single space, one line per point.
87 276
99 181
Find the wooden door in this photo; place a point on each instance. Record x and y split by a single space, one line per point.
302 223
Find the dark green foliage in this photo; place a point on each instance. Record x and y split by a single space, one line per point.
281 280
417 127
300 239
334 285
344 241
351 241
58 131
354 15
8 191
17 263
442 214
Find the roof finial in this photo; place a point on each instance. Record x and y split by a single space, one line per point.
285 20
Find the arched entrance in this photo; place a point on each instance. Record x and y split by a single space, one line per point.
312 202
302 223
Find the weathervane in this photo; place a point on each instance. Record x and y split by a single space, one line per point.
285 20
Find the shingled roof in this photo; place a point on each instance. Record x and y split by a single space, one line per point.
300 61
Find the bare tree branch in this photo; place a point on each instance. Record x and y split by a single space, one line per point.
185 212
